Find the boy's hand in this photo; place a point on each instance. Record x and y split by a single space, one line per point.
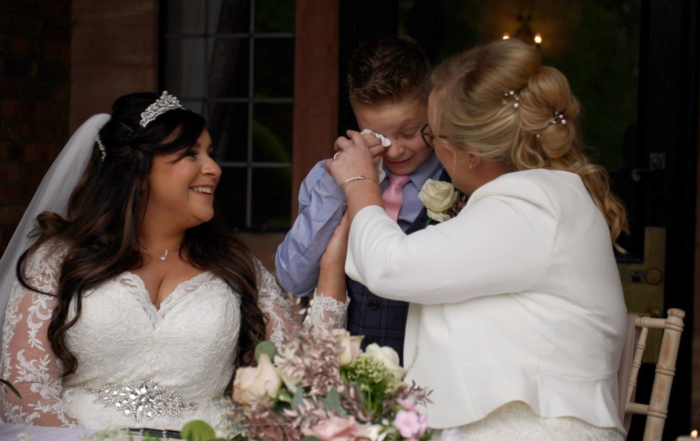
333 259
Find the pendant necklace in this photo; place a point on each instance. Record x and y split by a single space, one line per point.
165 256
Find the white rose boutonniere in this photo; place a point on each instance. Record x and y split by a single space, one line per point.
439 198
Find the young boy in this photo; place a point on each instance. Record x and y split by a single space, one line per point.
389 84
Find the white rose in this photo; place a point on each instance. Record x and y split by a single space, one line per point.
387 356
437 196
253 383
438 217
349 348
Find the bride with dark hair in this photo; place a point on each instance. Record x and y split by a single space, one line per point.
134 282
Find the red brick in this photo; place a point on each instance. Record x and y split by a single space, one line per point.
15 131
51 112
5 236
19 46
50 133
16 109
10 215
22 174
16 194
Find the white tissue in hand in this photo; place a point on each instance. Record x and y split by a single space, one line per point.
386 142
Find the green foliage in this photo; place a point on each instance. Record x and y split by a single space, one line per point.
265 347
374 379
298 399
332 402
198 430
310 438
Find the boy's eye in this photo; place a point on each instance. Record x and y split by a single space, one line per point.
410 135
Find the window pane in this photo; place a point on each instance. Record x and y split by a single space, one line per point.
228 70
274 16
195 106
228 126
185 16
272 133
274 67
230 195
272 198
186 67
229 16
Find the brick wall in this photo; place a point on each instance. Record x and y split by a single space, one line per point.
35 40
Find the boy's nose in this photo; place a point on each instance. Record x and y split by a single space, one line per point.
395 150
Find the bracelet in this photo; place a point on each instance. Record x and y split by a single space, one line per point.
357 178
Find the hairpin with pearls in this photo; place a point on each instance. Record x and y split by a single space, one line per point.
558 118
510 95
101 146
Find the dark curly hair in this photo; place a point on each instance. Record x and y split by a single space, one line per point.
106 209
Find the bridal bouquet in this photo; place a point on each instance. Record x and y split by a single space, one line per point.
323 388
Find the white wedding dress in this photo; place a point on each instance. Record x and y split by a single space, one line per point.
178 359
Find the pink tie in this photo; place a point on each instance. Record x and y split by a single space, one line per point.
393 195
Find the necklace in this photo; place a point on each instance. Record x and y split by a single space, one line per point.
165 256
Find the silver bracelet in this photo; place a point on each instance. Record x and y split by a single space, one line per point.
357 178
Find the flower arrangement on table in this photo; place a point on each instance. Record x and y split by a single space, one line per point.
323 388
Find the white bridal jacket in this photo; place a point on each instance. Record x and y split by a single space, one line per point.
518 298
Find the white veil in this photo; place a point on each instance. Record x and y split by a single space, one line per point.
52 195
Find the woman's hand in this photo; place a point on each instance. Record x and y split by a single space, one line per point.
355 157
331 281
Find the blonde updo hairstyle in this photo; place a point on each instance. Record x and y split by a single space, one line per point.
475 110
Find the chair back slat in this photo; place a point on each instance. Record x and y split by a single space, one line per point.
637 362
657 410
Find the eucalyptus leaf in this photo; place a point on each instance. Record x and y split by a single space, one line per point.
298 399
332 402
198 430
284 396
10 386
265 347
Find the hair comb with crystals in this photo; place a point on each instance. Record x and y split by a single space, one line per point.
160 106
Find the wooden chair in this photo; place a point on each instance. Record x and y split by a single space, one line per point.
657 409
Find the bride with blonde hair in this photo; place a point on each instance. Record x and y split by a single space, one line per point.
517 317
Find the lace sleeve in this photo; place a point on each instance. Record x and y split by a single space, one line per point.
28 361
327 312
274 306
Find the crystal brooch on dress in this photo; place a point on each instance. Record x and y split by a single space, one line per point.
142 400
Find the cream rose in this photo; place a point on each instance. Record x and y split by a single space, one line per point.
437 196
387 356
253 383
349 348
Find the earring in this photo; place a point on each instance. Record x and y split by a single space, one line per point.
471 165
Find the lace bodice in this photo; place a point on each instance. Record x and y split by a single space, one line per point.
186 347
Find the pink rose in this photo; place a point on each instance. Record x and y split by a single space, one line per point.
411 424
408 404
334 429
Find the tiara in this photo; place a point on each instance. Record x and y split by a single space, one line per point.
163 104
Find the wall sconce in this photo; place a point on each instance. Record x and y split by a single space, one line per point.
538 40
